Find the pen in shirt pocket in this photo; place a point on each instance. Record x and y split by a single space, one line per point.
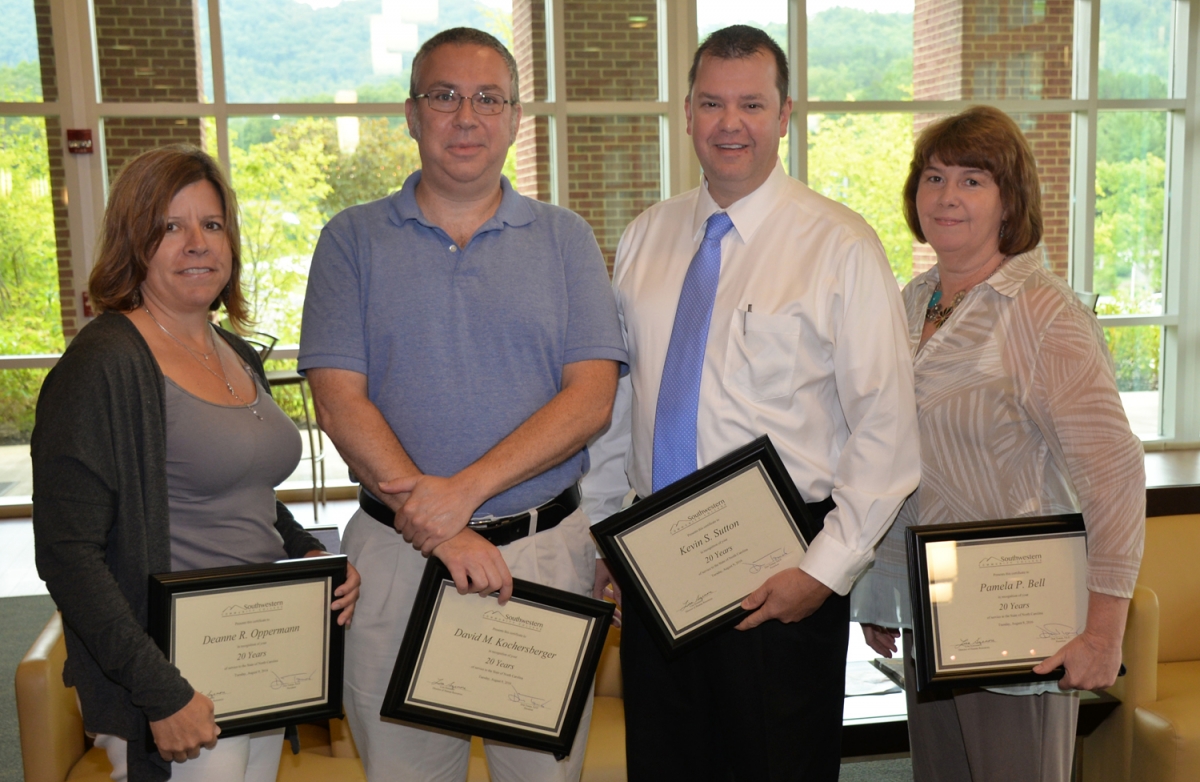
749 309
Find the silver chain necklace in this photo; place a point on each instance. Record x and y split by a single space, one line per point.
224 378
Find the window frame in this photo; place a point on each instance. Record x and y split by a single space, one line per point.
79 106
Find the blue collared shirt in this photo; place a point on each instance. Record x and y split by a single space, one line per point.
461 345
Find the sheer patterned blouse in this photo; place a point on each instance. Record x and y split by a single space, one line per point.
1019 415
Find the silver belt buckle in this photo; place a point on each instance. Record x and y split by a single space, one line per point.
488 522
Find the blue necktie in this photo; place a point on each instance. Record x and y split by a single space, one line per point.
679 392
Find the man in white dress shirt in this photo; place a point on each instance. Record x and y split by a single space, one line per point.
806 342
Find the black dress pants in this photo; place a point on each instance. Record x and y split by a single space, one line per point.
762 705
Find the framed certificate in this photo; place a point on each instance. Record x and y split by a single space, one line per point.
692 551
259 640
519 672
992 599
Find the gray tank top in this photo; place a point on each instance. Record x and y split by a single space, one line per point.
223 465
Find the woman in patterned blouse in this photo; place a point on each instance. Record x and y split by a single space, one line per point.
1019 416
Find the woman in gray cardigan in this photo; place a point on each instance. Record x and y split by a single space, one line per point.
157 447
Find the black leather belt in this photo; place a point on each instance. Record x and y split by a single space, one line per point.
498 532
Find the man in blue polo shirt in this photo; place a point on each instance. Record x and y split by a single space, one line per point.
462 344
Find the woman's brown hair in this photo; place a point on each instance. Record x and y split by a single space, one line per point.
136 221
985 138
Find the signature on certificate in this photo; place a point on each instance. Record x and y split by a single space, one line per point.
767 561
696 601
289 681
215 697
969 644
442 685
1057 632
529 702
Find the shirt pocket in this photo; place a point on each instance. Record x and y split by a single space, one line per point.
761 358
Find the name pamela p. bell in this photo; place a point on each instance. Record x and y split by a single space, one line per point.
999 603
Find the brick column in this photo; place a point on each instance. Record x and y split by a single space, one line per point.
1004 49
55 141
614 162
533 137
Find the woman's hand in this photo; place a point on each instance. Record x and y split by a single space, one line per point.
346 594
881 639
1093 658
181 736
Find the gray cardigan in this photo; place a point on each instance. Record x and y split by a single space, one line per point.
101 527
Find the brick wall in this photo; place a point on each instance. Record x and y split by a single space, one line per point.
533 137
613 167
1004 49
612 49
148 53
613 162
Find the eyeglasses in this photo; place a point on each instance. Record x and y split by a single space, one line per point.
449 101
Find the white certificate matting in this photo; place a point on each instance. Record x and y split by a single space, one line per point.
1005 601
514 665
254 650
699 559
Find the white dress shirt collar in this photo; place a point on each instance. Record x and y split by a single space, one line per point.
748 212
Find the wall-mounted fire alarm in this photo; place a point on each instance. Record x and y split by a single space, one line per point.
79 142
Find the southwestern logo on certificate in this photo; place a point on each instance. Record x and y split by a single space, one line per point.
515 664
255 651
999 602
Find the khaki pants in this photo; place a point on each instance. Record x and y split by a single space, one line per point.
563 557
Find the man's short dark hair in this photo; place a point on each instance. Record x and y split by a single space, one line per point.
462 36
736 42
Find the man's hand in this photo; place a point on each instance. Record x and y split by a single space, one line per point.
881 639
475 565
181 736
606 586
788 596
436 509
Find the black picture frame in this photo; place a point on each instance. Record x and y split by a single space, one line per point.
165 588
925 619
398 705
760 452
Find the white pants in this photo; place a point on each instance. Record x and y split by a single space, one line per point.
562 557
249 758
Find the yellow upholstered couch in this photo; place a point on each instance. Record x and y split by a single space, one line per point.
1154 736
54 749
1166 726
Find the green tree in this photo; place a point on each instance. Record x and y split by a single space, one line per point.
30 316
384 158
1129 232
281 186
861 160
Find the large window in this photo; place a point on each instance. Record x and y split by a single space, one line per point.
31 318
303 102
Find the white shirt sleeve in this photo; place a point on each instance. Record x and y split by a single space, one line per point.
879 465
